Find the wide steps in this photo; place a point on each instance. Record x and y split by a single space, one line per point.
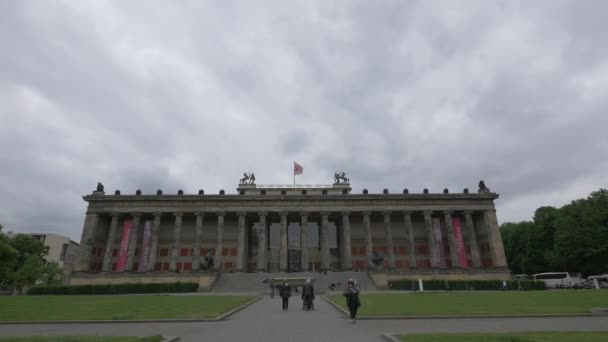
255 282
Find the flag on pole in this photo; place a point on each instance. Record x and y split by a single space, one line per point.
297 169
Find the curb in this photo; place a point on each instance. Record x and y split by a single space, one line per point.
178 320
171 339
337 307
233 311
390 338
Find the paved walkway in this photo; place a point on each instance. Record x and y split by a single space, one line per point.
265 321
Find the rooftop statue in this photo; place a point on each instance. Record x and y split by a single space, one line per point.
99 187
341 176
248 178
482 186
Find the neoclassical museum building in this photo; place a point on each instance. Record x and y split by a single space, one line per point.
292 229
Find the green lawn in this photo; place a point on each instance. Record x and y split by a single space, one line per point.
549 336
479 303
82 339
41 308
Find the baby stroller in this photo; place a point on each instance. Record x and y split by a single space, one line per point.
308 303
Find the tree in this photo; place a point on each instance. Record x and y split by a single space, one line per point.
8 261
51 274
28 273
573 238
27 247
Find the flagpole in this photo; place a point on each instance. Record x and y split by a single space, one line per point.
294 174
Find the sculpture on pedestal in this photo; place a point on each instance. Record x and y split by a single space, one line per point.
248 178
340 178
482 187
99 187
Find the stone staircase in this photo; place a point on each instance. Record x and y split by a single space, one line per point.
254 282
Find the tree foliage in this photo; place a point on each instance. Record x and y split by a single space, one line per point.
22 262
572 238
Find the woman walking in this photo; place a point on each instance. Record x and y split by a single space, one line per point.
352 299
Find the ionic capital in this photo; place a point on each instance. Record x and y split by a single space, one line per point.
346 213
157 214
428 212
366 213
324 213
178 214
262 214
283 214
241 213
220 213
407 213
387 213
136 214
115 215
448 212
468 212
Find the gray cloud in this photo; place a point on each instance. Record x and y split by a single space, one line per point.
397 94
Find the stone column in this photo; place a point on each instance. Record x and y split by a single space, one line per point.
177 229
86 241
495 239
428 224
388 234
347 259
472 239
304 241
324 243
369 256
240 243
107 257
154 243
198 234
409 236
133 242
283 240
447 216
218 262
262 245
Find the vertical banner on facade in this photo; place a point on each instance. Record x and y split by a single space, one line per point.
124 245
462 258
144 256
440 253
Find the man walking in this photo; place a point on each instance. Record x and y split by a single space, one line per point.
352 299
285 293
308 294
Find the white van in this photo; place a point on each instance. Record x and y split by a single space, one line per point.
602 280
559 280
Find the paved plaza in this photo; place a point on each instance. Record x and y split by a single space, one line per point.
264 321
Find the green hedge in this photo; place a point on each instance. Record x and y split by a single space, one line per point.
113 289
466 285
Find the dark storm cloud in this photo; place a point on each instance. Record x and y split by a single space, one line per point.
416 94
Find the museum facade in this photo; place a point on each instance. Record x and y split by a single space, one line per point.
291 229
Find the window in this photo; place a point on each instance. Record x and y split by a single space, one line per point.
64 249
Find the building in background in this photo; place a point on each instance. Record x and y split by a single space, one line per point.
62 250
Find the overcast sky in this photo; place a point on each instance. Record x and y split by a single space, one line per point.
191 94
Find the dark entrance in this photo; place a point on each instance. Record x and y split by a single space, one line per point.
293 261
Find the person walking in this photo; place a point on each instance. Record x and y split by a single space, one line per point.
352 299
285 293
308 294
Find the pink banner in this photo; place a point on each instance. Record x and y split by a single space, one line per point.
462 258
124 245
144 257
440 253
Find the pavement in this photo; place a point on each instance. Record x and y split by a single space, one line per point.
265 321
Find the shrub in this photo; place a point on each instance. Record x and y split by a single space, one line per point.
465 285
113 289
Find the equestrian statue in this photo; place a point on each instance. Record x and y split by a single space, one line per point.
248 178
341 176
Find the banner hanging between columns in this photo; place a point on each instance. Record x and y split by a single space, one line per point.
462 258
144 257
124 245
